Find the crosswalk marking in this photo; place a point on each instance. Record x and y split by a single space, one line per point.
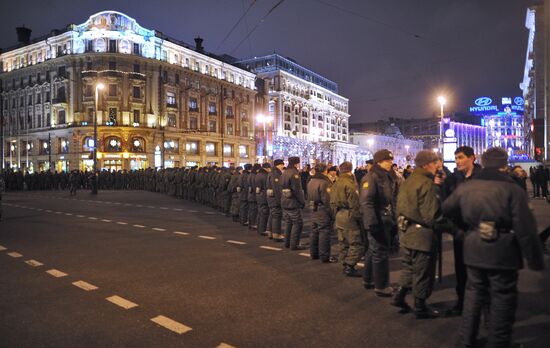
170 324
85 286
34 263
236 242
181 233
270 248
207 237
15 254
158 229
56 273
121 302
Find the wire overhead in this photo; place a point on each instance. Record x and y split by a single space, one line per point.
236 24
257 25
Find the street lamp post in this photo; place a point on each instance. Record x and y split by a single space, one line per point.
264 120
99 86
442 101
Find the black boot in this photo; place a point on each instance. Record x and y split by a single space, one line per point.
350 271
422 311
399 299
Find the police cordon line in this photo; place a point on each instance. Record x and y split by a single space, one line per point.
372 212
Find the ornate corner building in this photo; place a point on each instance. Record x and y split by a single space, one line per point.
164 103
306 115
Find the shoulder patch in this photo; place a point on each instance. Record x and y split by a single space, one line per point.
296 176
328 189
357 191
276 179
365 185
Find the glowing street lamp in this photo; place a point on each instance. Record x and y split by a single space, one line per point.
261 118
99 86
442 101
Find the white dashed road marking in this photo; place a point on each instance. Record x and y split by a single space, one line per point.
177 209
158 229
270 248
2 248
181 233
106 220
80 216
85 286
207 237
121 302
163 208
170 324
150 206
304 254
210 213
225 345
56 273
122 223
15 254
192 211
69 214
139 226
34 263
236 242
92 218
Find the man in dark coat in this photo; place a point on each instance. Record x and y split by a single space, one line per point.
377 201
242 189
501 231
466 170
260 187
318 189
274 199
292 203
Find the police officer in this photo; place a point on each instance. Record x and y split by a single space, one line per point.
501 232
318 190
252 204
274 199
418 210
292 203
344 201
260 187
377 200
232 188
243 198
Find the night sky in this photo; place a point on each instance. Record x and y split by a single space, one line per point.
390 58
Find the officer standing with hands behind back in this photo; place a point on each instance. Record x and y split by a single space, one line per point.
292 202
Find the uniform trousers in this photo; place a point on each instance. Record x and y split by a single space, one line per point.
263 216
276 214
417 272
498 289
293 227
377 263
319 239
350 239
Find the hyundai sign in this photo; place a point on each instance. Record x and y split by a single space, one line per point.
485 106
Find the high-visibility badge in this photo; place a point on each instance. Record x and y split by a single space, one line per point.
366 185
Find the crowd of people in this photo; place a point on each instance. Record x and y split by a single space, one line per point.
372 210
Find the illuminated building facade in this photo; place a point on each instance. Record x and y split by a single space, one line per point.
535 83
164 103
308 117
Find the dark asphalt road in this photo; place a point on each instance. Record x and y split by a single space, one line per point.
212 276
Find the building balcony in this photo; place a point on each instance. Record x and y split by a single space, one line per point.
172 105
89 73
111 73
136 76
59 100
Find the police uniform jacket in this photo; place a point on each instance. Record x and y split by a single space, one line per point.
345 196
494 197
318 191
251 187
274 188
377 198
290 180
260 186
243 184
418 201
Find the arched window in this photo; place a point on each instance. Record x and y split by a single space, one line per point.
137 144
88 144
112 144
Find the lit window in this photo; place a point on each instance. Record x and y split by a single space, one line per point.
243 151
210 149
